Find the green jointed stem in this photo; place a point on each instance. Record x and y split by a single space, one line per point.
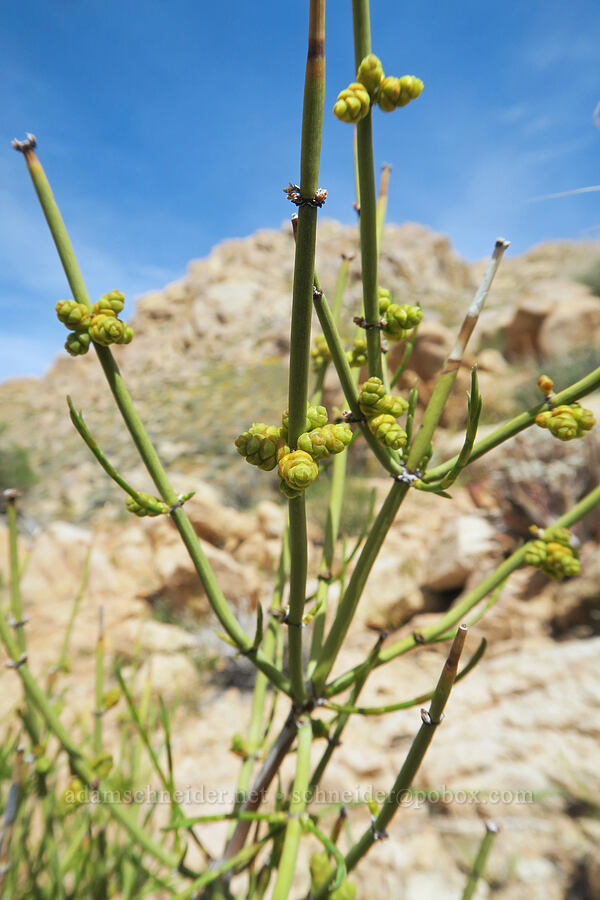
304 267
368 242
16 606
361 21
410 344
347 606
84 432
340 287
332 526
304 263
342 720
368 198
64 650
293 831
415 701
491 832
336 494
139 434
99 692
298 569
382 202
57 227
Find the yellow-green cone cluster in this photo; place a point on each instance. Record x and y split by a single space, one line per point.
259 445
566 422
100 325
553 554
381 411
357 357
297 471
316 417
370 73
399 319
320 353
353 103
151 506
394 92
326 441
372 87
266 446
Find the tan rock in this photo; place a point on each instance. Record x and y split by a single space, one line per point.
572 324
457 552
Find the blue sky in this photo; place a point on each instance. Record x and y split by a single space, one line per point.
167 127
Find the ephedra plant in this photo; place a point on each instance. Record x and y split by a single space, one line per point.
116 849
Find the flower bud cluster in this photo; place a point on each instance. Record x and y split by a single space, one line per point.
399 319
100 324
566 422
381 411
266 446
371 86
553 554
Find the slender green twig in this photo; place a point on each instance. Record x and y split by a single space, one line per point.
332 850
304 267
336 499
491 832
16 605
135 427
99 688
334 510
431 719
18 621
342 719
382 200
474 412
407 704
340 286
368 199
63 656
408 350
298 572
85 433
298 801
347 606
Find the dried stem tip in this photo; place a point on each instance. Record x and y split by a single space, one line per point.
11 495
25 146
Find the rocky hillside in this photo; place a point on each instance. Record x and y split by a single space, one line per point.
208 357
